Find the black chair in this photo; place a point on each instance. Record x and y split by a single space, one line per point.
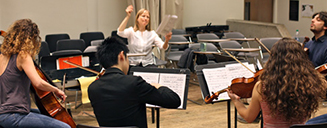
71 44
236 45
52 39
268 42
44 50
321 125
89 36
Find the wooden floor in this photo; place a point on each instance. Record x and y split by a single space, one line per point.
195 116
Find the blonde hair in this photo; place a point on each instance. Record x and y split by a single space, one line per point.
147 27
22 38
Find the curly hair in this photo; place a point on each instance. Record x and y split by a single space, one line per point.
22 38
290 84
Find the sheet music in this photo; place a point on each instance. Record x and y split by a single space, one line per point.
220 78
217 80
148 77
167 24
175 82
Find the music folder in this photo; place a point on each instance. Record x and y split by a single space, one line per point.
175 79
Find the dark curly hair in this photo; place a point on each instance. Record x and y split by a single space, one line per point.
290 84
22 38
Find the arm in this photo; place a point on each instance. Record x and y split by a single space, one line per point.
26 64
123 24
157 94
251 112
167 38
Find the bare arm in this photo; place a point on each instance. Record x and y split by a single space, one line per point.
26 64
252 111
123 24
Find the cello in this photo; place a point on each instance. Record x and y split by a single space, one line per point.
47 102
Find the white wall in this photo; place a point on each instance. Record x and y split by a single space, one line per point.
71 16
201 12
303 25
65 16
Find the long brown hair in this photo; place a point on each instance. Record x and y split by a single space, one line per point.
136 26
22 38
290 84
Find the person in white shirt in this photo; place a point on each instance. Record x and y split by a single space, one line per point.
141 38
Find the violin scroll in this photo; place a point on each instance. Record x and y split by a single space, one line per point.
3 33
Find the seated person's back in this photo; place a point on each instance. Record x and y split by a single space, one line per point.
119 99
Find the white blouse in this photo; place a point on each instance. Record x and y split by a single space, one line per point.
141 42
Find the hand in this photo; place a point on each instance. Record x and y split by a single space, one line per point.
232 95
129 10
61 95
168 36
156 85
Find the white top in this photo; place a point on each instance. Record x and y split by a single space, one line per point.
141 42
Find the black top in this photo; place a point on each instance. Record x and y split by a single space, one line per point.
119 99
14 89
318 50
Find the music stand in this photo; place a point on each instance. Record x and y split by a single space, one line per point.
204 87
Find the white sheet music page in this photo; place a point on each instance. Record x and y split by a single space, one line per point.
166 24
175 82
220 78
149 78
217 79
238 70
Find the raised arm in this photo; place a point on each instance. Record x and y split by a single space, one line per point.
26 64
123 24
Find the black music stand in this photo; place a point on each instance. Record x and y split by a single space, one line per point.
170 71
204 86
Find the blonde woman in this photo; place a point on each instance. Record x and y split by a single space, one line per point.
141 38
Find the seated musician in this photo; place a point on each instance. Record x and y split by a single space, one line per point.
119 99
288 90
17 73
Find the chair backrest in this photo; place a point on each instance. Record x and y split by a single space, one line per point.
91 49
89 36
178 31
321 125
66 52
71 44
269 42
178 38
52 40
44 50
206 36
96 42
210 47
234 35
230 44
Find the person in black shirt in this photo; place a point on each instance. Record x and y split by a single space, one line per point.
119 99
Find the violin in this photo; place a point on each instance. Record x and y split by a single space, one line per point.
47 102
322 69
240 86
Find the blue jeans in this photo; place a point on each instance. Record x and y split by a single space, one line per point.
318 119
30 120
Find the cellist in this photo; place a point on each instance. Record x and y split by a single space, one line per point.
288 90
17 72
